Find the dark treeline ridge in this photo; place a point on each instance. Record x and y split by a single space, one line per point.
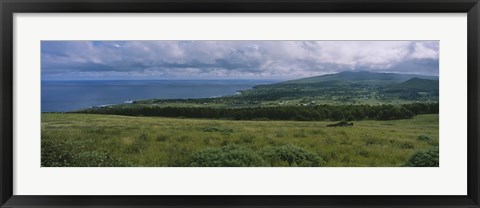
298 113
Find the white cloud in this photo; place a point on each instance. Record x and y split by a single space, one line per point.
424 51
235 58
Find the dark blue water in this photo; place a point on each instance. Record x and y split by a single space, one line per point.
60 96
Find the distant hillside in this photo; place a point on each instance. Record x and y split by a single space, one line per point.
351 87
417 83
360 76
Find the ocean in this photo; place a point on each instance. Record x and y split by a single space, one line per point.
62 96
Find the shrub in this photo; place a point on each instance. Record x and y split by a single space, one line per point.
291 155
423 138
58 154
227 156
427 158
55 154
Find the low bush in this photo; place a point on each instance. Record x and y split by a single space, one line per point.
427 158
55 154
291 155
59 154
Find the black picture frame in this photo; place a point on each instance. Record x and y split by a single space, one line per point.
9 7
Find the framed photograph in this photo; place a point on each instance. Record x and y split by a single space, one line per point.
265 103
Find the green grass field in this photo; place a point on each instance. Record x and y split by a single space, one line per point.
109 140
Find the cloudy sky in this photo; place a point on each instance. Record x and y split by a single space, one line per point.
106 60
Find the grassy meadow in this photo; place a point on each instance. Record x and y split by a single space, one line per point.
85 140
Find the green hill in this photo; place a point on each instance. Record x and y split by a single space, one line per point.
334 89
351 87
360 76
423 84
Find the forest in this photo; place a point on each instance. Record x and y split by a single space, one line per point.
297 113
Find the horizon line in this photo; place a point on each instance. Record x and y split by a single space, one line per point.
226 78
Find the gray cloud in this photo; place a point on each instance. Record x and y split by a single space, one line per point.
232 59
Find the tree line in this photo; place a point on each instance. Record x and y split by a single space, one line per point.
298 113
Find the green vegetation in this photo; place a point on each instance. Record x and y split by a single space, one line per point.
65 154
226 156
427 158
291 155
423 138
351 88
392 121
345 88
298 113
83 140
